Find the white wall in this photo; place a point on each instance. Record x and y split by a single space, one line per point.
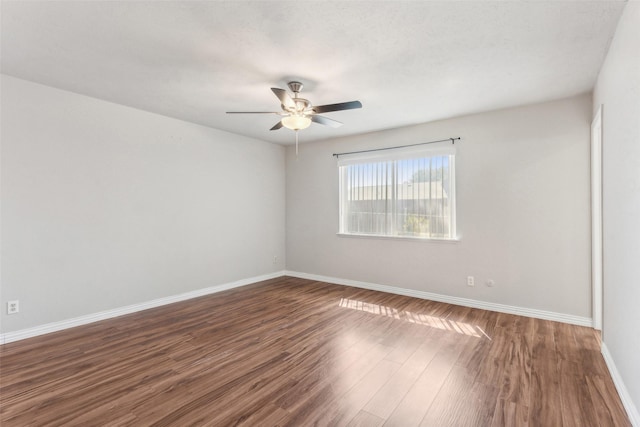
523 211
105 206
618 90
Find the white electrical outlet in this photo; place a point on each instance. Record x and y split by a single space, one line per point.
13 307
490 283
275 259
471 281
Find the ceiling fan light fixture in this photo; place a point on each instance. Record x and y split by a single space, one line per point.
296 122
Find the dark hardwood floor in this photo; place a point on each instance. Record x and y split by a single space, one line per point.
292 352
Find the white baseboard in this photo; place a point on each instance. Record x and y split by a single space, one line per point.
627 402
108 314
466 302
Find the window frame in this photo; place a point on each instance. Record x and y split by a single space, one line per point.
394 156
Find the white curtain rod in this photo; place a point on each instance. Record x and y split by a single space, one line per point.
453 141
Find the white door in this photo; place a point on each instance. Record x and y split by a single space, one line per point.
596 218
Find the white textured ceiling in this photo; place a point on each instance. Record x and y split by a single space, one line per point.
408 62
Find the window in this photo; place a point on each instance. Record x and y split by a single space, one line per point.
399 193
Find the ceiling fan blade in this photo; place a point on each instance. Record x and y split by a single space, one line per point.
253 112
284 97
277 126
337 107
326 121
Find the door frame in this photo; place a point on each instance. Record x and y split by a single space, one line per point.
597 274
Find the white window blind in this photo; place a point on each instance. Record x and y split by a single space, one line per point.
399 193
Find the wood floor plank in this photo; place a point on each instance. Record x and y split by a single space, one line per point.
545 408
510 414
268 415
341 377
296 352
351 402
462 401
577 406
515 385
385 401
365 419
415 404
606 402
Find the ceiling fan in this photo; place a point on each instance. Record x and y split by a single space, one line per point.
298 113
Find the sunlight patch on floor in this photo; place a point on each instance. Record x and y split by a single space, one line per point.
411 317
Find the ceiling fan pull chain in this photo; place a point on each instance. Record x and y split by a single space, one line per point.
296 145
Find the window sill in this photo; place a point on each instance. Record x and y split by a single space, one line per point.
412 239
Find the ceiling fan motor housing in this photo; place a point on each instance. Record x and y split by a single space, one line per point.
301 105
